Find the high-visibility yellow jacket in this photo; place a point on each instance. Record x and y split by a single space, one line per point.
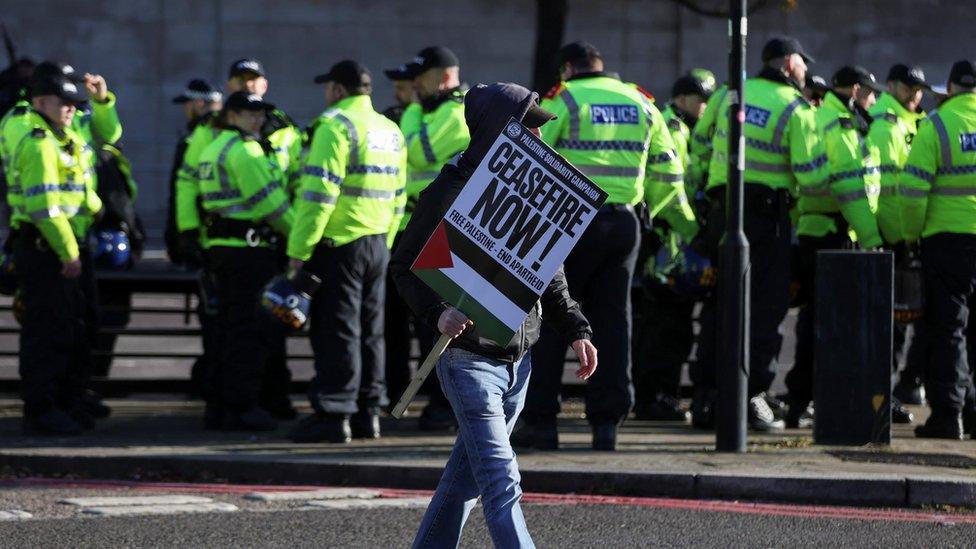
892 131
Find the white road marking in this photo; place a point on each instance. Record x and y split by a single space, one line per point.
135 500
408 503
131 510
329 493
14 514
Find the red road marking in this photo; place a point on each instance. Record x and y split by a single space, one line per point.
749 508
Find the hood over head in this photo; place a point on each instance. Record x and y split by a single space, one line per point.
488 108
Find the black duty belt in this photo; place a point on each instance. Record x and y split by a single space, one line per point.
253 234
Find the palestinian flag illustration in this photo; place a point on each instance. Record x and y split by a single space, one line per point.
457 268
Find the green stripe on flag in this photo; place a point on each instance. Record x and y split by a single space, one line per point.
488 325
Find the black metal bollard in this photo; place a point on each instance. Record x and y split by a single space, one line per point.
852 353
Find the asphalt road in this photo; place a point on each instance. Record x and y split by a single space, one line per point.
562 522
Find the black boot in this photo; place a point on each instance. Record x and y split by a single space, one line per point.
365 424
661 408
605 437
540 435
969 422
899 413
94 406
799 415
251 419
321 427
54 422
941 424
909 390
703 408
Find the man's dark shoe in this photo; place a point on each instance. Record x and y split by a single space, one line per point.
703 409
909 391
54 422
941 424
605 437
899 413
661 408
761 417
281 409
365 425
437 417
320 427
969 423
252 419
799 416
213 417
94 406
539 435
81 416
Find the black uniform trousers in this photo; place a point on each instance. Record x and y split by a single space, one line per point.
347 326
799 380
247 345
767 226
949 271
599 272
114 306
663 339
55 336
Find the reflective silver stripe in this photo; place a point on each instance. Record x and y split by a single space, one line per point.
766 167
887 190
321 198
253 200
53 211
954 191
813 191
944 148
400 210
43 188
221 195
353 138
667 177
278 212
221 158
429 176
574 116
852 196
911 193
611 171
360 192
784 119
373 169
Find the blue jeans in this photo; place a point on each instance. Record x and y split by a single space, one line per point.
487 397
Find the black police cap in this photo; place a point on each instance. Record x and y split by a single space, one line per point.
781 46
910 76
243 101
433 57
849 75
577 51
816 82
690 85
198 89
349 73
48 68
59 85
963 73
407 71
246 66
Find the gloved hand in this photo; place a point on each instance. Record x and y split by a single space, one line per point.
190 251
288 299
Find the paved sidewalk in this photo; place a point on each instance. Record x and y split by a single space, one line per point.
161 439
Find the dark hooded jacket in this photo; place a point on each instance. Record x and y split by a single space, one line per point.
487 110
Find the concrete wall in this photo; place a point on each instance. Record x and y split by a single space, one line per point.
148 49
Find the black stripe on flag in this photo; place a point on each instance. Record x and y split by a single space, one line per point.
490 269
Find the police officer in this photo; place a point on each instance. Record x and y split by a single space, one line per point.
403 94
283 147
894 125
937 188
666 331
245 211
614 134
348 212
200 101
435 132
829 208
58 203
782 149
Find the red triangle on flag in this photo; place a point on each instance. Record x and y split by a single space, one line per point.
436 253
